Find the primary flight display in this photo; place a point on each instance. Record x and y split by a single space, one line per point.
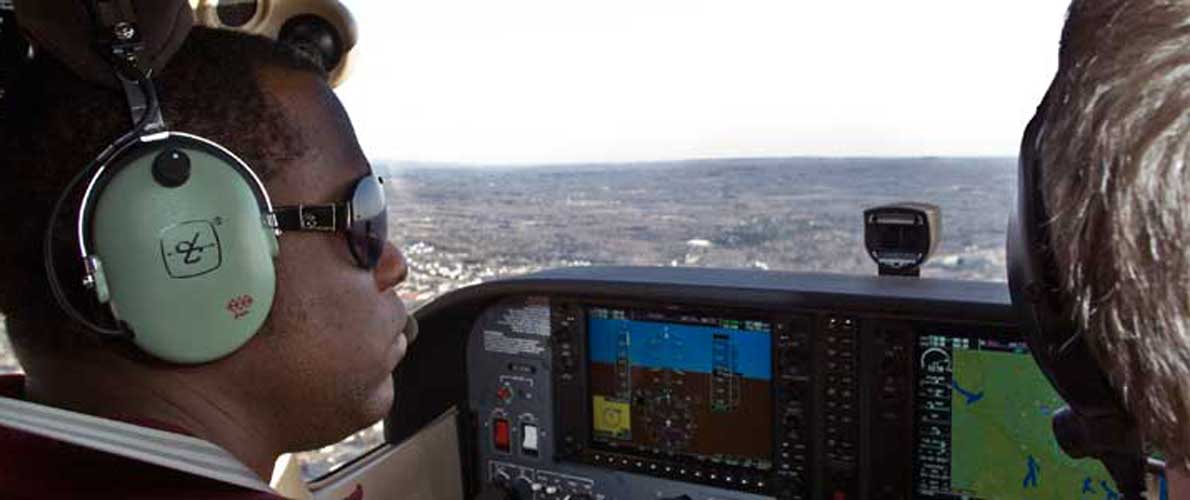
684 388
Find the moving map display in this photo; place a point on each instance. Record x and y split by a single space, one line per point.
681 387
983 426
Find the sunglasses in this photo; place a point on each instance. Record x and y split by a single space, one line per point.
364 218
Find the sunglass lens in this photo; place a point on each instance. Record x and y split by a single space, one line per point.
367 240
369 228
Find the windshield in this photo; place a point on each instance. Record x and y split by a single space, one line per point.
534 134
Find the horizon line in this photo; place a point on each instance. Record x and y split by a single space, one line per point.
446 164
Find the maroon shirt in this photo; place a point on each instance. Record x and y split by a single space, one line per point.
36 467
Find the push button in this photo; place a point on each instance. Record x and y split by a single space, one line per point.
500 435
504 393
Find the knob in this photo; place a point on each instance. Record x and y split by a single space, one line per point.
524 488
578 496
171 168
494 492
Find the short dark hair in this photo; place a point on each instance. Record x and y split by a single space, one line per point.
55 123
1114 145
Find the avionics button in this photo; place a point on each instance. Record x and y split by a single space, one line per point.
504 393
500 434
529 439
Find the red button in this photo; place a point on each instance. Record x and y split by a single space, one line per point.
839 495
500 434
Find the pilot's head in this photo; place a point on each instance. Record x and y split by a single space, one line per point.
1114 145
320 366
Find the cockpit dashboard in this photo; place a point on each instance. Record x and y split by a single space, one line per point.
680 383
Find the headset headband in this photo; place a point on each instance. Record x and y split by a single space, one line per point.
66 29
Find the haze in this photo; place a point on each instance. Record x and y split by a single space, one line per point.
557 81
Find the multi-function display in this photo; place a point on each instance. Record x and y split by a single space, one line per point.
984 412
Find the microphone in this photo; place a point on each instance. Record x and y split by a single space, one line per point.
1113 441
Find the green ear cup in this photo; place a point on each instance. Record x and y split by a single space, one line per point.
188 266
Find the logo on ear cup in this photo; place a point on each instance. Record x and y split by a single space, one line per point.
240 306
191 249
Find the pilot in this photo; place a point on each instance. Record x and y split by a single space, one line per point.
317 370
1114 144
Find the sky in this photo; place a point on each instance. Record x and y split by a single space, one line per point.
562 81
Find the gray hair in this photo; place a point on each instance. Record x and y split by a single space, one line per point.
1113 145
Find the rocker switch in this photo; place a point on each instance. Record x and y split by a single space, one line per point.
529 439
500 435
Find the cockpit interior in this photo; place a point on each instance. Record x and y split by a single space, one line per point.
611 382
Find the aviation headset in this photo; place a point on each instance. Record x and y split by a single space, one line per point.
176 233
1095 422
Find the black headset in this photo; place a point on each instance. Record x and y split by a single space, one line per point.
14 49
1095 422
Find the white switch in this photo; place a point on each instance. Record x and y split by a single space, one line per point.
529 439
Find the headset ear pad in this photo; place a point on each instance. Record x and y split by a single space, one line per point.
180 228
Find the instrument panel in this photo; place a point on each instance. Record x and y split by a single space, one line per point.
622 383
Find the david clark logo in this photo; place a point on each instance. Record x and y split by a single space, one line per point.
191 249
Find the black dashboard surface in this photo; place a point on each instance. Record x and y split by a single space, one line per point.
748 288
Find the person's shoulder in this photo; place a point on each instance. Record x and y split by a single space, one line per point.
39 467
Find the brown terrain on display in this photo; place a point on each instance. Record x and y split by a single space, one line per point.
742 433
